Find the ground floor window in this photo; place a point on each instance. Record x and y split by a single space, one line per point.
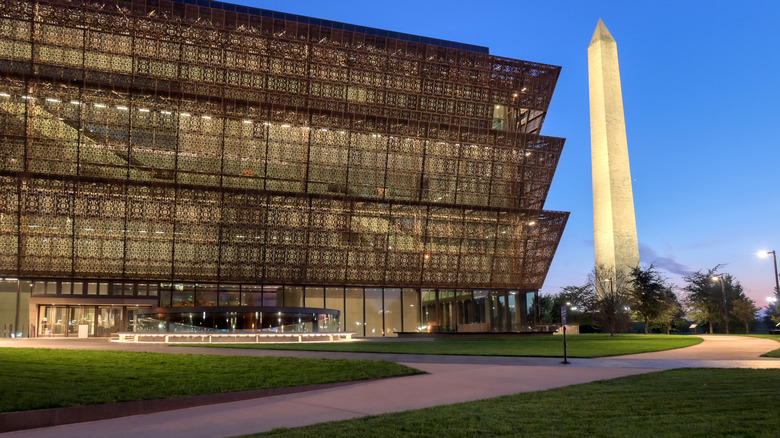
446 310
236 319
367 311
75 320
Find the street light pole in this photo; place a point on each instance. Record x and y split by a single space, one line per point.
775 299
777 279
611 288
725 306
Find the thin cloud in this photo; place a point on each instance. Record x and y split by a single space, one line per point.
668 264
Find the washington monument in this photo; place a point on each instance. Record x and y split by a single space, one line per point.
614 223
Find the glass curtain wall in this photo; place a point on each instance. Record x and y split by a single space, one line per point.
393 312
101 321
366 311
315 297
334 299
354 321
411 310
374 315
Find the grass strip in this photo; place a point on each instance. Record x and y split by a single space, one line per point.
685 402
582 346
34 378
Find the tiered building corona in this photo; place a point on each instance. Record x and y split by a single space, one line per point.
214 166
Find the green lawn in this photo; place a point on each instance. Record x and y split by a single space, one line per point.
590 345
42 378
684 403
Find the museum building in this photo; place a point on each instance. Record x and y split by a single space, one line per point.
216 167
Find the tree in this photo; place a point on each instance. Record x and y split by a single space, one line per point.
648 294
580 301
745 311
706 296
704 299
769 318
672 312
576 297
613 299
582 297
546 306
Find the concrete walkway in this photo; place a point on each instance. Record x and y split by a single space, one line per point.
450 379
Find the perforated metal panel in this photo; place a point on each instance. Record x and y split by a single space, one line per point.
166 141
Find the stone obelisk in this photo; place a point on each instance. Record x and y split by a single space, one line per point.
614 223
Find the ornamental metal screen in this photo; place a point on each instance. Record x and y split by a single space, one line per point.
158 140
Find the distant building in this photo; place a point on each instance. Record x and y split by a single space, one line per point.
206 165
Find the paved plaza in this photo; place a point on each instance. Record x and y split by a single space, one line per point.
449 379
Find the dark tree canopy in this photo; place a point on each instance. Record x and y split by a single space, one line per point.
711 296
652 298
613 299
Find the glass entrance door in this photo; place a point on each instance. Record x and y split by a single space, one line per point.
132 313
109 320
79 316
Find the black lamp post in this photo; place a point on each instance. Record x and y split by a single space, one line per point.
776 298
777 279
611 286
725 306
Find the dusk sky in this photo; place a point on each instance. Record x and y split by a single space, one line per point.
701 93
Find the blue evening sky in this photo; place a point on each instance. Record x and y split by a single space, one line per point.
701 92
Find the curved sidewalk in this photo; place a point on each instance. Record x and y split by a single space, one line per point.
450 379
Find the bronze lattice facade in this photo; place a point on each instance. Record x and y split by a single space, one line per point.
180 153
